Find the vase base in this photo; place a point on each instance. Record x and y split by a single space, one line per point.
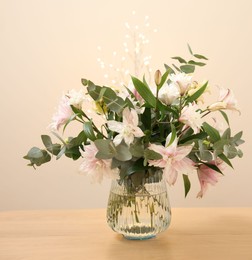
139 237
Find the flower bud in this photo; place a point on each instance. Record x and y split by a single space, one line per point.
158 77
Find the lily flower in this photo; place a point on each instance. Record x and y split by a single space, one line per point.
96 168
182 80
64 111
128 129
191 116
62 115
227 100
169 93
207 176
173 160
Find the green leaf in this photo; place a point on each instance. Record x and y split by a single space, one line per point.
187 184
144 92
52 148
73 153
237 137
191 138
77 141
89 131
37 156
219 146
122 152
239 153
225 159
151 155
198 93
84 82
77 112
137 149
213 167
138 166
178 69
164 78
189 48
94 90
146 118
230 151
174 134
192 62
199 56
72 117
214 135
144 81
47 141
62 151
35 153
181 60
226 134
106 149
187 68
167 67
113 102
225 116
204 153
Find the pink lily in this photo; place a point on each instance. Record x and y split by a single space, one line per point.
96 168
227 100
173 160
191 116
207 176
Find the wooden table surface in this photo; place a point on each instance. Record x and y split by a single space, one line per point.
195 233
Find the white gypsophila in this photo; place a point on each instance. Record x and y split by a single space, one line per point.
183 81
169 93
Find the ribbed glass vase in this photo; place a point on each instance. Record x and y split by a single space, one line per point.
139 210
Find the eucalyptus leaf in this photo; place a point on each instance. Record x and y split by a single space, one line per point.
167 67
192 62
187 68
122 152
106 149
181 60
37 156
62 151
227 134
199 56
230 151
177 68
189 48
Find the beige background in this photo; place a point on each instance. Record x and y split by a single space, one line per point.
47 46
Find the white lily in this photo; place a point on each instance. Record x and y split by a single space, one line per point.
128 129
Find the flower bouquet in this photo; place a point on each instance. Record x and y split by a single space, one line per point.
147 131
166 127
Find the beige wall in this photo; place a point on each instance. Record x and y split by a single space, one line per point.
47 46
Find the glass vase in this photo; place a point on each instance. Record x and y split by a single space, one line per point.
139 209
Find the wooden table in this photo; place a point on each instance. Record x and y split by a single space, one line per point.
195 233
